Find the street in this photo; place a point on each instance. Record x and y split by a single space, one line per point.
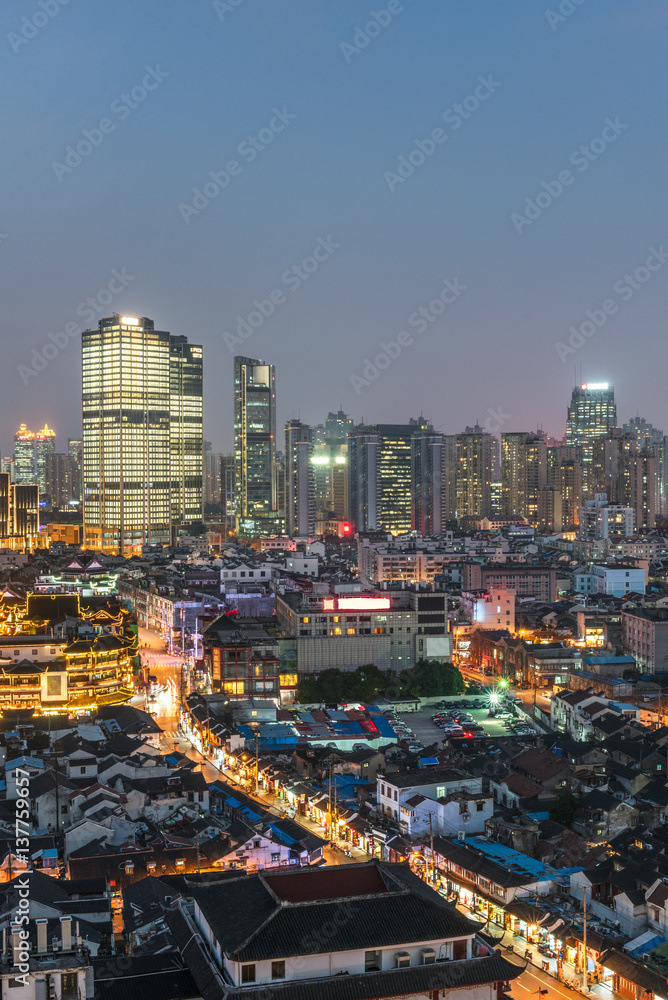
165 708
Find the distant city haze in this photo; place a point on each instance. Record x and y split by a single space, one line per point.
453 210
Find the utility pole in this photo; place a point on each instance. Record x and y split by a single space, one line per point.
584 939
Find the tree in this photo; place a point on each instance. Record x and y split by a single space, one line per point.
563 807
435 678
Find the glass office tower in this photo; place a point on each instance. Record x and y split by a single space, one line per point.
592 414
137 446
254 443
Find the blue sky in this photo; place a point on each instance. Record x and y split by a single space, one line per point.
221 73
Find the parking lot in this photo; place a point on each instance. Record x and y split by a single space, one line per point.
427 732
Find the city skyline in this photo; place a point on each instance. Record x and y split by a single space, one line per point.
325 221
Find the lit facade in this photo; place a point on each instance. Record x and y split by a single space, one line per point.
299 492
381 475
142 434
185 430
524 473
255 440
474 472
45 445
24 456
591 414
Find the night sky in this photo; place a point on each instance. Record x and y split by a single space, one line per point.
400 141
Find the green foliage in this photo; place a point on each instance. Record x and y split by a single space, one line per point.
434 678
563 807
427 678
333 685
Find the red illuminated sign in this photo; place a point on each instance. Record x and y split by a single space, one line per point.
356 604
364 603
345 528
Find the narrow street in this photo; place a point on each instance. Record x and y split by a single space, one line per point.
167 670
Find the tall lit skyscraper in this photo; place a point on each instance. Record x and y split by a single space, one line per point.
24 456
591 414
474 473
45 445
142 470
185 429
254 442
524 474
74 451
299 496
649 436
58 476
380 477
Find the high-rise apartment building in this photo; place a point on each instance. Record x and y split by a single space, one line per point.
380 476
591 414
24 456
330 467
651 437
74 450
524 473
474 472
211 472
625 471
58 479
45 445
566 478
427 464
142 470
299 496
255 443
19 513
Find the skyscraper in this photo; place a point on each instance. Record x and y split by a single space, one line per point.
24 456
524 473
58 477
591 414
427 463
185 429
474 472
649 436
45 445
254 442
141 469
75 453
299 496
380 476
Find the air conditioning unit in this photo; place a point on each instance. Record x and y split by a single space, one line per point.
427 956
402 960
